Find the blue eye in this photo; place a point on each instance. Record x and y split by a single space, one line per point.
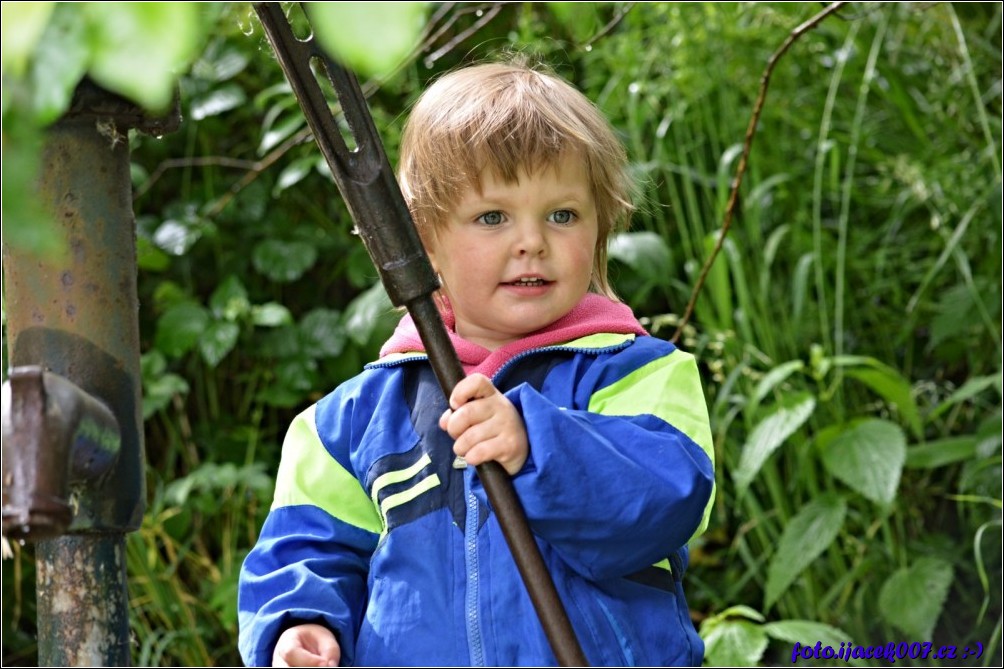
562 216
490 218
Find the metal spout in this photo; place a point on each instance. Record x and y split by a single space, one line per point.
57 439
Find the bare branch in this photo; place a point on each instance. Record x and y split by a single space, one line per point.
743 159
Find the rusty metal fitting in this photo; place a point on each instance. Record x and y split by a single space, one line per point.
57 439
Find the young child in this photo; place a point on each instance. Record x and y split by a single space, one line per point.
380 547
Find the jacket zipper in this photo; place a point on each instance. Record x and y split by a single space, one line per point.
475 644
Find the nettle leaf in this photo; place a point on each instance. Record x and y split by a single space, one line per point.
770 433
804 539
283 261
868 457
370 38
734 643
180 327
217 341
913 597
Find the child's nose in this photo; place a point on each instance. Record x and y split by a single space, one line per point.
530 240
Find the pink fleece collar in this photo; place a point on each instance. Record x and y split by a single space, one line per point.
592 315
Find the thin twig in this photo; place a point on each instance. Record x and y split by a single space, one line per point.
205 161
747 145
257 168
476 26
609 27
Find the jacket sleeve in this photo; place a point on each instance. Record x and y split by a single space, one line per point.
311 559
624 477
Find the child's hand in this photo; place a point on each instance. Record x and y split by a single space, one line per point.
307 646
485 425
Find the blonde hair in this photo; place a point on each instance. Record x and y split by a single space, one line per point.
508 117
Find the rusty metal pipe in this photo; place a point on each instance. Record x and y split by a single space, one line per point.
76 316
56 437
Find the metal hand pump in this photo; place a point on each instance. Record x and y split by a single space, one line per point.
367 184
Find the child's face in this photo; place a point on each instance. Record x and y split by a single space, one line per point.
514 258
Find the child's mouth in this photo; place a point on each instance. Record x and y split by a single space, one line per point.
528 282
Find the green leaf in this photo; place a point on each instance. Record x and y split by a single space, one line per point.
139 49
773 378
58 64
895 389
180 327
23 24
270 315
805 632
230 299
367 313
294 173
283 261
942 452
971 388
323 333
737 643
370 38
913 597
868 457
644 252
149 257
217 101
217 341
177 236
770 433
804 539
158 392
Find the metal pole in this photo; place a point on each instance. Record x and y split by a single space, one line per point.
77 318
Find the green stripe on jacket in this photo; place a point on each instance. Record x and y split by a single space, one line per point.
668 388
309 475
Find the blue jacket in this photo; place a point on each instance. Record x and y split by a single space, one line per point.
377 533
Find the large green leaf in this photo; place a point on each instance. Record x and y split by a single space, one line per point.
138 49
912 598
941 452
734 643
644 252
217 341
770 433
23 24
180 328
868 456
804 538
230 299
323 333
369 313
895 389
370 38
283 261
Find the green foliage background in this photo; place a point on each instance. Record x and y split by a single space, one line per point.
849 333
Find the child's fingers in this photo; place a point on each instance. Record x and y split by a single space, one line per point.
470 388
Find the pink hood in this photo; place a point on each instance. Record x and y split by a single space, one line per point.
592 315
